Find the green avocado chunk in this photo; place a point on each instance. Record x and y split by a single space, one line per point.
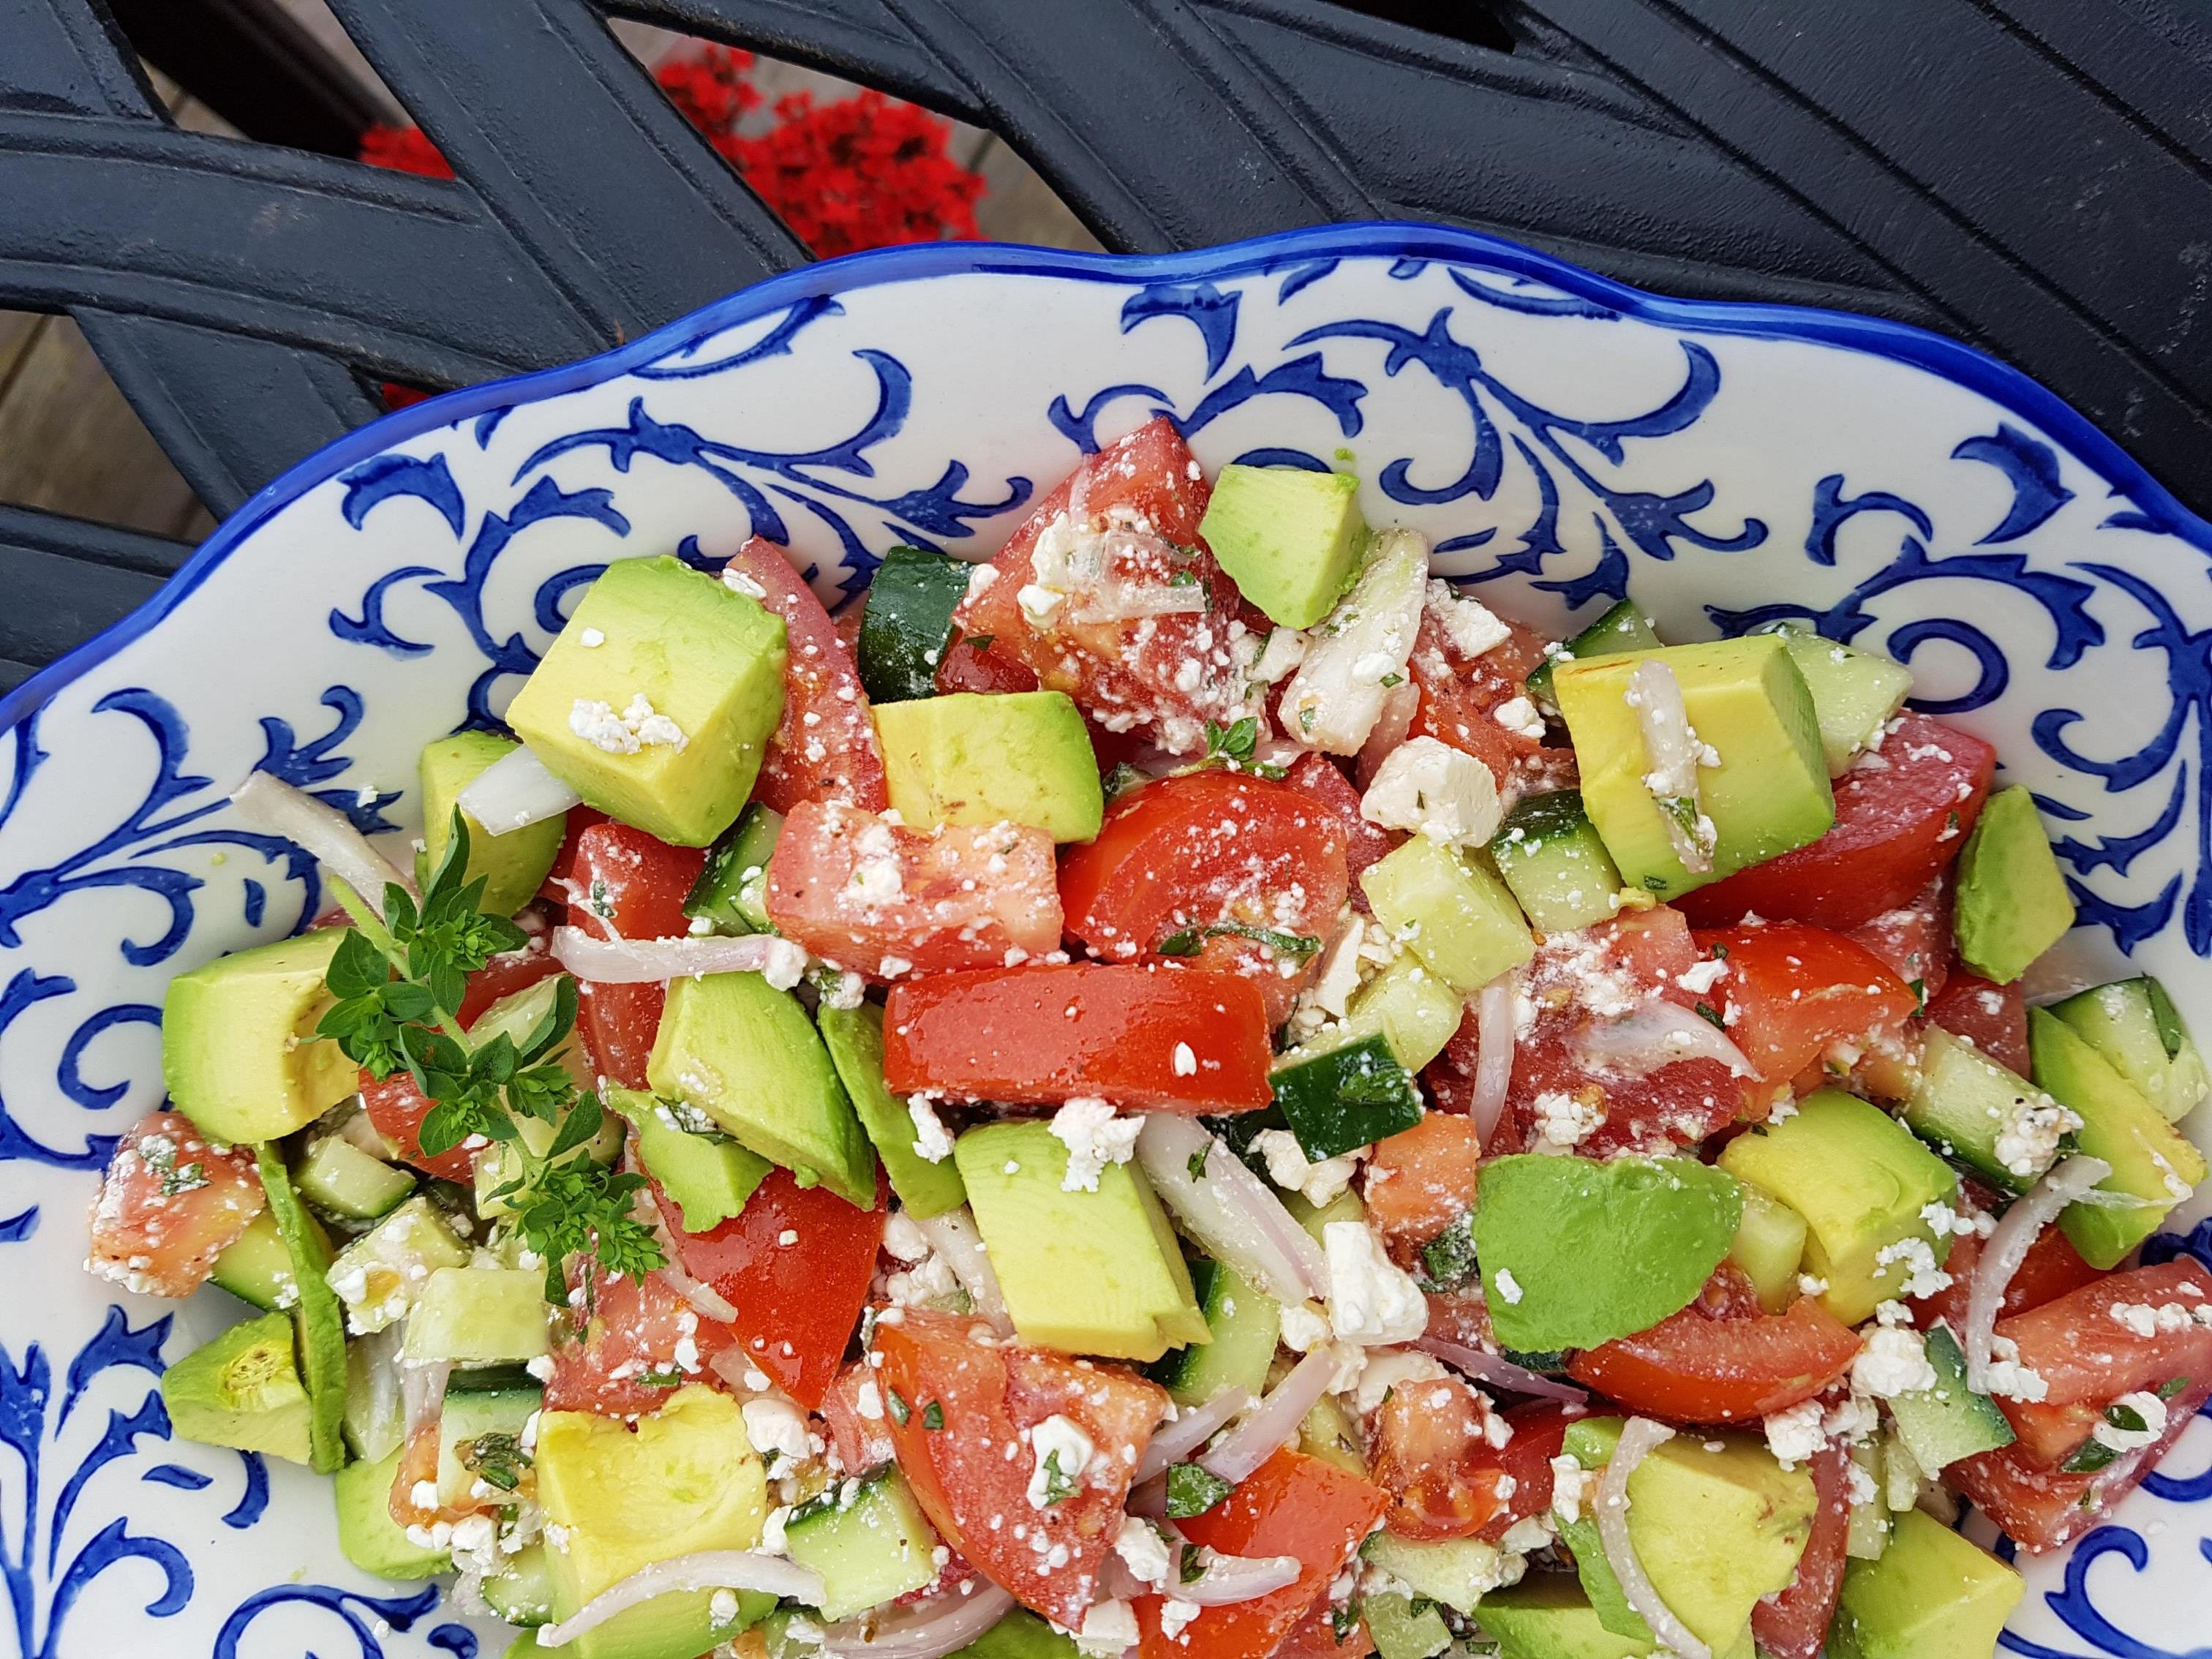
1451 909
239 1049
1548 1616
1574 1252
980 758
735 1047
707 663
368 1536
1020 1635
242 1389
707 1175
1855 692
854 1037
1289 538
514 864
320 1324
906 622
1931 1595
2012 903
1745 701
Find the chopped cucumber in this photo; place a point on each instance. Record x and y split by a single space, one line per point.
868 1540
1245 1324
521 1591
478 1317
1623 627
1399 1631
380 1274
340 1179
1868 1534
1345 1097
1941 1425
1327 1433
480 1433
1452 909
1345 1207
906 622
319 1322
1416 1011
375 1409
2135 1027
1855 692
731 892
1974 1111
1770 1245
1457 1572
257 1268
1552 857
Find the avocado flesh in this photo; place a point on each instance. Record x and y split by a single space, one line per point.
1746 699
242 1389
707 1176
1290 539
1855 692
702 654
1020 1635
317 1321
1091 1273
687 1479
1931 1595
745 1054
2012 903
238 1050
977 759
1860 1180
514 864
1451 910
854 1038
367 1536
1547 1616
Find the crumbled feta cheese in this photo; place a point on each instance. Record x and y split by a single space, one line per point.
1039 604
1304 1328
775 1426
1184 1060
1530 1533
1063 1458
2142 1319
931 1138
2029 1129
1432 789
1394 1368
1174 1615
1508 1288
1468 623
1318 1183
902 1238
1923 1278
2147 1409
1571 1484
737 582
1701 976
722 1608
1372 1300
635 728
590 639
2009 1379
1284 649
1519 716
1795 1434
868 1400
1143 1550
1094 1138
1565 1120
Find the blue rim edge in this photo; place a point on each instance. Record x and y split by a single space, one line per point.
1962 364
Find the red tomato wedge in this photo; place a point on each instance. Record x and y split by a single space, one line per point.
169 1204
627 885
795 1263
2052 1268
1432 1453
1461 695
2087 1357
1721 1359
503 977
641 1342
861 1439
971 1471
973 662
1314 1637
884 900
824 748
1540 1432
1133 509
1914 940
1137 1034
1902 815
1213 849
1793 1622
1786 992
1291 1504
1993 1018
1363 842
1421 1180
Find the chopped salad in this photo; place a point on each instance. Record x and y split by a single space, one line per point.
1194 1089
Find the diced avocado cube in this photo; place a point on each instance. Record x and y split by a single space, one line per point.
906 622
1932 1595
1290 539
481 1430
1242 1323
1351 1096
257 1268
1416 1011
514 864
1553 858
681 1480
239 1049
1460 1573
368 1536
868 1540
1020 1635
1941 1425
1087 1272
2012 902
705 1174
2134 1025
1769 1246
340 1179
735 1047
980 758
381 1274
1715 1520
662 722
731 895
1451 909
317 1326
1622 627
1399 1631
1748 703
1855 692
2151 1159
1983 1114
242 1389
1548 1615
478 1317
854 1037
1860 1181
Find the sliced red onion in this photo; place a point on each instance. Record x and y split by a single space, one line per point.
422 1394
1229 1579
704 1569
2081 961
271 805
1190 1431
1230 1210
1657 1034
1637 1438
1495 1036
704 1298
944 1623
1115 601
1275 1424
955 1236
515 792
651 961
1499 1370
2008 1247
1149 1498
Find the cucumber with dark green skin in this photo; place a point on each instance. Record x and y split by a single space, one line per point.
1621 628
906 622
730 893
1346 1097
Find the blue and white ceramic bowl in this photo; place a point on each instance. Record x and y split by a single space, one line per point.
1565 440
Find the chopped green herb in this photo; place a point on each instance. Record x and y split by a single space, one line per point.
1712 1016
900 1410
2172 1386
1919 989
1448 1260
982 641
1344 1618
2126 1419
1192 1567
1194 1490
1057 1486
1188 941
1197 1164
2094 1455
496 1459
933 1416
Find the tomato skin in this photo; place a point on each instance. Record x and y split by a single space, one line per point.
2051 1268
990 1393
1204 848
1914 940
1459 697
1314 1637
798 1303
1421 1180
1291 1504
1788 991
1993 1018
1793 1622
1365 844
504 975
1540 1433
1897 824
1432 1454
1042 1034
628 884
637 1326
164 1244
1721 1359
860 1442
835 758
969 666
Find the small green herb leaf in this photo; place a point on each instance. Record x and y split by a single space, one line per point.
1194 1490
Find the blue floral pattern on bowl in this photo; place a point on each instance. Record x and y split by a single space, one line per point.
1566 440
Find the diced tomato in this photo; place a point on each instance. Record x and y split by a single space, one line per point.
824 748
973 662
1793 1622
1788 992
556 889
1993 1018
2088 1359
1133 509
1207 850
1291 1504
1138 1034
884 900
418 1467
504 975
1721 1360
1433 1453
169 1204
1461 695
1901 815
1914 940
1316 1637
628 884
1421 1180
795 1263
2051 1268
641 1342
968 1403
1540 1431
1365 844
861 1439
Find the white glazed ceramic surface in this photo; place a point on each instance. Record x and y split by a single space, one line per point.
1565 441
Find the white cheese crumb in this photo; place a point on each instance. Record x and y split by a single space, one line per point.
1519 716
590 639
1063 1452
1143 1550
1570 1484
774 1425
1094 1138
2146 1405
1508 1287
635 728
1185 1063
931 1138
1109 1629
1431 788
1392 1369
1288 1169
1468 623
1372 1300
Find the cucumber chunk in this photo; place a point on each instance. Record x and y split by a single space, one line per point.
380 1274
868 1540
1345 1097
1416 1011
1855 692
340 1179
1622 627
2134 1025
906 622
1451 910
480 1433
521 1591
1769 1246
1979 1114
1399 1631
375 1409
478 1317
1941 1425
1246 1324
257 1268
731 893
1457 1572
1552 857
